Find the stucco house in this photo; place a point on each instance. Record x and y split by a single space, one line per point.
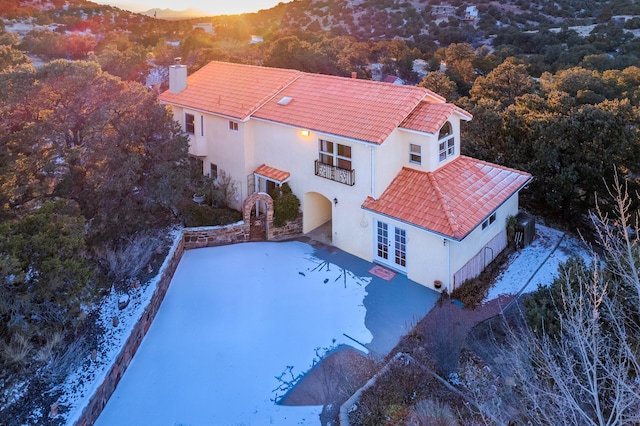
380 162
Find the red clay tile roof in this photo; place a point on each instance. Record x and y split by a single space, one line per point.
231 90
359 109
451 201
429 117
272 173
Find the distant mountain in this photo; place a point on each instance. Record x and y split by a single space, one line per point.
175 14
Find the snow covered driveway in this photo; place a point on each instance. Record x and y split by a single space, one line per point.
233 319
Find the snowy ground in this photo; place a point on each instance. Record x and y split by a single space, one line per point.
538 263
234 319
258 321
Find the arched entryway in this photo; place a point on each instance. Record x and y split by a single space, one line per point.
317 216
261 226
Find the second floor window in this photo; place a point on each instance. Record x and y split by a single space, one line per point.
415 154
335 154
189 123
233 126
446 142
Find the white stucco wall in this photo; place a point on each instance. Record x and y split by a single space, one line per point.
239 153
478 238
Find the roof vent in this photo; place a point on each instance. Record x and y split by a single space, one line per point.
285 100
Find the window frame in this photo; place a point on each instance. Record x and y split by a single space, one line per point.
446 142
335 154
233 126
415 157
213 171
190 123
489 221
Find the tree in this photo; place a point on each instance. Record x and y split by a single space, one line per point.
75 132
459 59
587 371
505 83
439 83
10 58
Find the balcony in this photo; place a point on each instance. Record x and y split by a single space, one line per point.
347 177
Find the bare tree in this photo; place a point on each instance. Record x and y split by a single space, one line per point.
587 374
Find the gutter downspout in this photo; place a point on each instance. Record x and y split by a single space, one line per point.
373 173
449 267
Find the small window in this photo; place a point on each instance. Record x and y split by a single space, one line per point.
189 123
489 221
202 125
446 142
415 154
213 171
233 126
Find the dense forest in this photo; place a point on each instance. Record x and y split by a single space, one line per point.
92 168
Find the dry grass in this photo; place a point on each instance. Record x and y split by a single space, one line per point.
18 349
125 259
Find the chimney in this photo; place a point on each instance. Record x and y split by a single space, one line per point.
354 74
177 76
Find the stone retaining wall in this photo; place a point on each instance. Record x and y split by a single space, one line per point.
290 229
215 236
191 238
99 399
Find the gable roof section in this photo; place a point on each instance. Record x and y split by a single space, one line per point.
429 117
451 201
359 109
232 90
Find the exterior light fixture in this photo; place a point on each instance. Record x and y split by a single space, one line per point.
335 201
304 132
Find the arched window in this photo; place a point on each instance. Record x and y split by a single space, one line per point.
446 141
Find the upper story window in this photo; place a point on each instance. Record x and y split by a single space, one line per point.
233 126
335 154
446 142
189 123
415 154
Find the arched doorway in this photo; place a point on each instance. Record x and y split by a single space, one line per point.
317 216
261 226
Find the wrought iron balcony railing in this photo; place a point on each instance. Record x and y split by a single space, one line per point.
327 171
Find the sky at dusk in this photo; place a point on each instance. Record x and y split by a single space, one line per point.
208 6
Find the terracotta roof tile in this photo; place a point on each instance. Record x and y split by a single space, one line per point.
451 201
233 90
358 109
272 173
429 117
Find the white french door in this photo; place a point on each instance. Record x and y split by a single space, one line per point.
391 245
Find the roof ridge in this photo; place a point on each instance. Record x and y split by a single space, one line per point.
453 223
276 93
488 163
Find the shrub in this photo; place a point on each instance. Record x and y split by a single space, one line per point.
125 258
46 274
286 206
205 215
